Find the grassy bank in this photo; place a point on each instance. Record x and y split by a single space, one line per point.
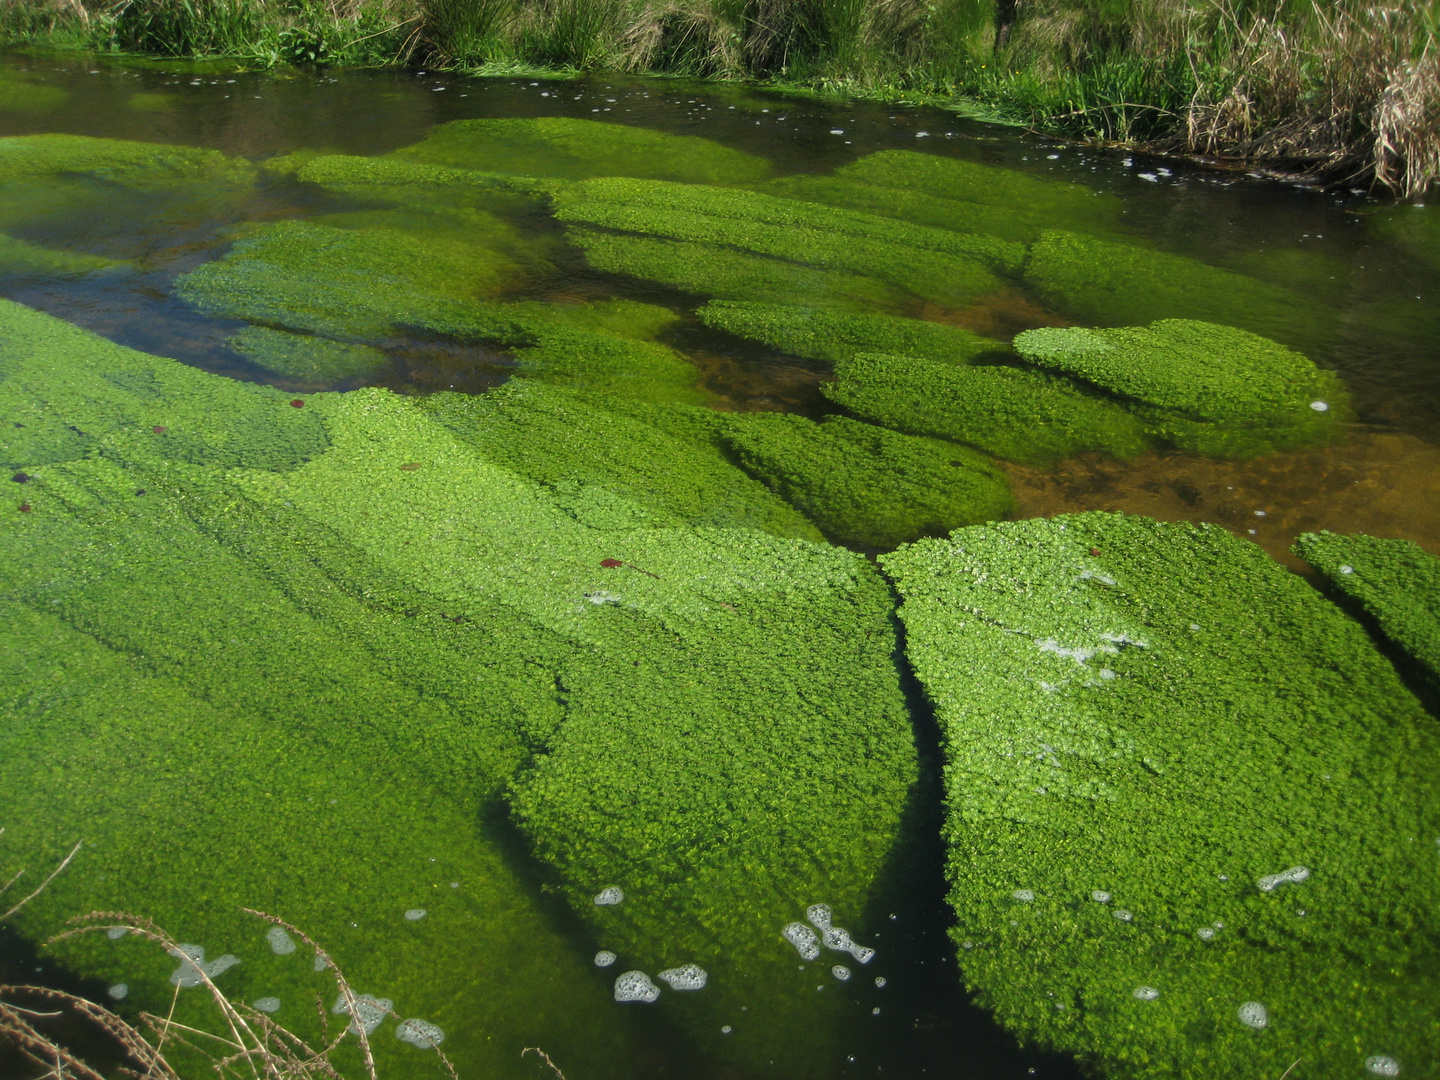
1348 89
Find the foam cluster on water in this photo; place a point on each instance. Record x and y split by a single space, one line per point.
415 914
281 943
804 940
636 986
119 991
369 1011
419 1033
1024 895
1382 1065
1100 896
841 972
1146 993
193 969
819 916
840 940
267 1004
608 896
1253 1014
115 933
685 977
1293 876
604 958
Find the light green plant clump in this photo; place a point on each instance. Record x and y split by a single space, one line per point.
117 161
927 263
1014 414
610 469
570 149
824 334
307 358
414 183
1192 810
950 193
19 257
864 485
1212 389
1396 583
289 594
1112 284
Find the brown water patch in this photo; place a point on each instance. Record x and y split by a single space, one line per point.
1382 483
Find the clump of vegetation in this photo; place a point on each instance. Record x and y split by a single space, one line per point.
1191 806
1393 583
1011 413
865 485
1212 389
307 358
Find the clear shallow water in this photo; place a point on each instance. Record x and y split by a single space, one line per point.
1379 481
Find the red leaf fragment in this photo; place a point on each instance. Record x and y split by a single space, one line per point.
24 508
410 466
297 404
159 429
611 564
1095 552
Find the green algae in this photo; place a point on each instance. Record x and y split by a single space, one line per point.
714 270
610 469
1014 414
949 193
416 183
152 102
20 95
307 358
19 257
822 334
117 161
866 485
1212 389
1395 583
1155 720
578 149
1112 284
1413 227
402 598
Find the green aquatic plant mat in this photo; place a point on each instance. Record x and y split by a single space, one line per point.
28 97
1395 583
1011 413
18 258
307 358
400 598
414 183
719 271
1113 284
791 230
864 485
1212 389
571 149
1413 227
117 161
609 469
824 334
965 196
1192 811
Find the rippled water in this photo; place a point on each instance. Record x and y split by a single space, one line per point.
1382 478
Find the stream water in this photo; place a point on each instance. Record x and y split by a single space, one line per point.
1382 478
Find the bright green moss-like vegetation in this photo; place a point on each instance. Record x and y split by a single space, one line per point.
866 485
292 594
116 161
1184 792
1013 414
1212 389
576 149
307 358
610 469
823 334
20 257
411 182
921 261
950 193
1113 284
1395 583
714 270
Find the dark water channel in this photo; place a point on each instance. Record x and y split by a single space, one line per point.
1383 479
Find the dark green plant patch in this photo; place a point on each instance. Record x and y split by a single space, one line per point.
577 149
19 257
415 183
824 334
1018 415
1212 389
306 357
1187 797
1396 583
864 485
1111 284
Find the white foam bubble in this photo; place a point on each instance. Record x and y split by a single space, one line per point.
819 916
321 961
1253 1014
841 972
415 914
118 991
636 986
879 982
1205 933
267 1004
1382 1065
604 958
804 940
281 943
1100 896
1122 915
1347 569
1146 993
419 1033
1024 895
1294 875
1320 406
685 977
725 1029
115 933
609 895
369 1011
863 953
192 963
